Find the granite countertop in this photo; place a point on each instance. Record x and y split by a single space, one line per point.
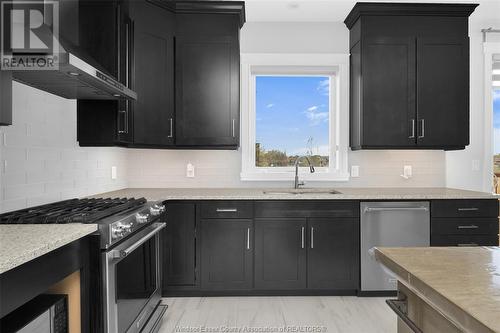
461 283
155 194
20 243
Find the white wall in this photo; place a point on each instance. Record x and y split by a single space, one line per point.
459 172
161 168
40 159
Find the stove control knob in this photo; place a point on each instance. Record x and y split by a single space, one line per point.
117 231
141 218
156 209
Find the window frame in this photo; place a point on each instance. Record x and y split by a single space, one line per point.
334 66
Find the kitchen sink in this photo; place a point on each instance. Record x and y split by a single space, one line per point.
302 191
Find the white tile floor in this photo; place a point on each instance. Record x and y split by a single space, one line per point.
270 314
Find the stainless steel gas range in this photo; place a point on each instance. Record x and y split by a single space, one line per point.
130 265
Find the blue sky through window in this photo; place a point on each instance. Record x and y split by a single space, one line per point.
292 114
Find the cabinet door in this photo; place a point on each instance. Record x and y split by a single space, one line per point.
280 254
207 91
179 245
332 253
154 75
443 92
388 90
226 254
5 98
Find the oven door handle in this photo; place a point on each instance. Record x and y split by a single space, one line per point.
131 248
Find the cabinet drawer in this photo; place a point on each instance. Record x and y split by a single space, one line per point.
226 209
464 240
296 208
464 208
465 226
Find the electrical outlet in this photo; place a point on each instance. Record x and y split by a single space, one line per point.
354 171
190 170
113 172
407 172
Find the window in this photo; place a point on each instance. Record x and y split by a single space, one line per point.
292 106
496 120
292 117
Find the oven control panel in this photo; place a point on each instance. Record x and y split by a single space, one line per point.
133 221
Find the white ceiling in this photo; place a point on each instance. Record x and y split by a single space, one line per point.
315 10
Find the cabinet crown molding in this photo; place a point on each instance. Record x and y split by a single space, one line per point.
204 7
407 9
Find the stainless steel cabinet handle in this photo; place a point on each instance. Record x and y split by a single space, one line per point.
312 237
233 129
302 242
226 210
422 129
468 227
467 244
131 248
248 238
399 307
382 209
171 135
123 122
470 209
412 129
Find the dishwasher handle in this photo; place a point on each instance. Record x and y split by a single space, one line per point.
388 209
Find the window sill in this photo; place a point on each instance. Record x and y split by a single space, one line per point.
289 176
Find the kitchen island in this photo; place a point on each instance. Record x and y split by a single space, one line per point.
445 289
47 258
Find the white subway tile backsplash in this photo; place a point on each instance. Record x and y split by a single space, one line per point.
43 160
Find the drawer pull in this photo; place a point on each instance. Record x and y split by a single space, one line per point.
400 308
312 237
470 209
303 236
468 227
467 244
226 210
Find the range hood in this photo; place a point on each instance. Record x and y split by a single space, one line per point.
75 78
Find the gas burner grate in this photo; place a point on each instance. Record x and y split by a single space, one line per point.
71 211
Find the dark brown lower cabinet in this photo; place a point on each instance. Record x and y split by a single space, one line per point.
280 253
256 248
332 254
226 254
179 251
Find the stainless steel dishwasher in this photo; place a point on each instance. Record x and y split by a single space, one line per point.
390 224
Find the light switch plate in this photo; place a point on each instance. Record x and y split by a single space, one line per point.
113 172
475 165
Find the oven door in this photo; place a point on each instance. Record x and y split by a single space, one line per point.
132 280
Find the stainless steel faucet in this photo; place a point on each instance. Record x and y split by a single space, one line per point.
297 184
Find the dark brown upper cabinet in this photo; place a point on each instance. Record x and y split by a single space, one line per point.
5 98
185 71
154 110
207 60
107 33
409 80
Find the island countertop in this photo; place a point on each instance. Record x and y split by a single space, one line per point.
463 284
347 193
20 243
